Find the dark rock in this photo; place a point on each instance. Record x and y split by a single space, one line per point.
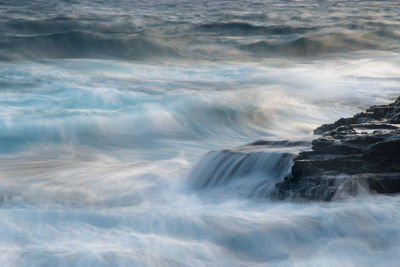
352 154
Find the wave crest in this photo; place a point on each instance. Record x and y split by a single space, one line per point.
325 44
243 28
81 44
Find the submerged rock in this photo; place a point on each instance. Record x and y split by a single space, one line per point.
352 154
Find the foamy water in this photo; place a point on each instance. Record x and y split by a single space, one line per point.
124 131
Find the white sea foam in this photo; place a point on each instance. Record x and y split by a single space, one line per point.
102 165
98 211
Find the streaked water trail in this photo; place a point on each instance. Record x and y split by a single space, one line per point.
152 133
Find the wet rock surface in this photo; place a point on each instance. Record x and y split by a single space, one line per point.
361 153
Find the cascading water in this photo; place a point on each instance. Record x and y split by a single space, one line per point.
250 171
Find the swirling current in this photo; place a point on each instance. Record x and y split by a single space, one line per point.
152 133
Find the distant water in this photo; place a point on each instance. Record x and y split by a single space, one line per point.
124 124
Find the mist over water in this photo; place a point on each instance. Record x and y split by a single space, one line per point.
153 133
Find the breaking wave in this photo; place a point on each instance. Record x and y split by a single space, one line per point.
122 126
325 44
80 44
137 36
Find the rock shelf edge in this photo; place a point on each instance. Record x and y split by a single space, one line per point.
352 155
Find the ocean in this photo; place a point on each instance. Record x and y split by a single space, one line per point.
125 128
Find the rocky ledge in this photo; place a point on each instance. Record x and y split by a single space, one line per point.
355 154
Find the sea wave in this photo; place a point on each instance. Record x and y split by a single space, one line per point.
81 44
108 104
243 28
135 157
326 44
65 23
124 36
